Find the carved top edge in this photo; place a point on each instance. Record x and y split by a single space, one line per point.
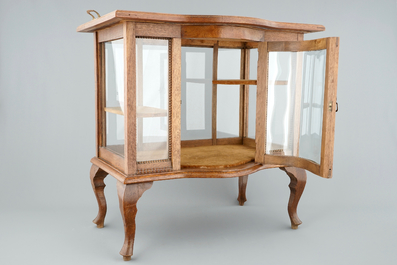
119 15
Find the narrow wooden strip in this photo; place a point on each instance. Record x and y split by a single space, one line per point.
261 103
111 33
281 36
234 82
330 89
195 143
221 32
176 103
209 43
225 141
246 92
158 30
130 99
214 92
297 46
151 165
249 142
297 59
241 95
293 161
97 64
111 157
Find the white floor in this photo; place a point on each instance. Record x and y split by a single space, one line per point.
211 230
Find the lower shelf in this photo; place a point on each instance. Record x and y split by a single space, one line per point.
216 156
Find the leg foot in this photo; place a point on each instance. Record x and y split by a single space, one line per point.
297 185
97 177
128 198
242 186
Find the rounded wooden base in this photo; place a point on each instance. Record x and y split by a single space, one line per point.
294 227
99 226
126 258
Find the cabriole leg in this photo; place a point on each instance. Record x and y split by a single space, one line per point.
242 186
297 185
97 176
128 198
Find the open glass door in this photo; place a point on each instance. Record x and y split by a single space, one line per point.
300 83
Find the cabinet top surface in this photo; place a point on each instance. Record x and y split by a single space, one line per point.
257 23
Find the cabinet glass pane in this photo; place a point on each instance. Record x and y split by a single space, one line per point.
152 99
227 114
114 94
295 104
196 93
229 63
251 111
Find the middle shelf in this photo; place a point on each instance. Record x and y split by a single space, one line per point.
141 111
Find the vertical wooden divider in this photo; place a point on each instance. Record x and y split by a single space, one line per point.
139 92
214 92
297 59
98 88
129 99
245 92
261 103
176 102
330 89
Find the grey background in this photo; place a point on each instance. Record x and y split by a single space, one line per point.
47 140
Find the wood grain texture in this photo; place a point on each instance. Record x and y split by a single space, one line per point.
130 99
157 30
221 32
293 161
97 177
98 119
245 65
176 103
242 186
297 46
112 156
248 22
111 33
193 143
297 185
261 103
234 82
330 89
128 198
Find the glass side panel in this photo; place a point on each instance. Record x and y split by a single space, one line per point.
228 104
114 93
196 93
251 111
152 99
295 104
229 63
253 64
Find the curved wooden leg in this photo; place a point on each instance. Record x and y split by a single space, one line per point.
97 176
297 185
242 186
128 198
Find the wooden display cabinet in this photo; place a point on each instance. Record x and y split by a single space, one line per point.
187 96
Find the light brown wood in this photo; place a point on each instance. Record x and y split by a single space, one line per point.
216 156
256 23
297 185
211 43
330 89
155 164
245 64
130 99
109 155
227 141
249 142
214 92
297 46
97 177
242 187
293 161
234 82
141 111
297 59
261 103
194 143
176 103
128 198
98 87
109 168
157 30
221 32
112 33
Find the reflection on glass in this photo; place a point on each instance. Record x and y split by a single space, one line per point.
295 104
251 111
114 91
152 99
228 104
196 93
253 64
229 63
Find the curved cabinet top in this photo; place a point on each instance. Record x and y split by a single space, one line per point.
248 22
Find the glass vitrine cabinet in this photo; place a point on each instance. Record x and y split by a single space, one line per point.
185 96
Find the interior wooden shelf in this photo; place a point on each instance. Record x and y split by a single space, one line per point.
234 82
216 156
142 111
